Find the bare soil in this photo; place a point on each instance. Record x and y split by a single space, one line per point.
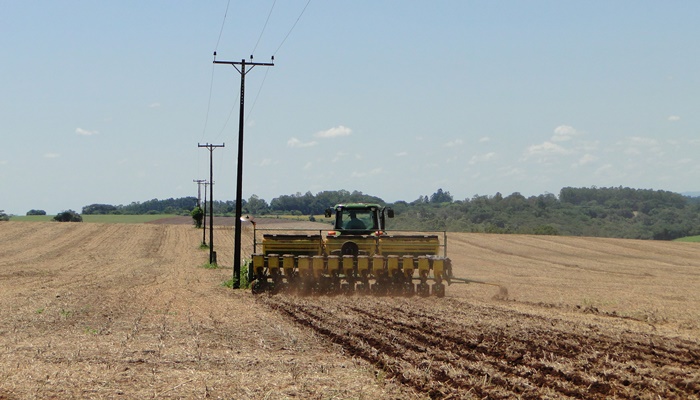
128 311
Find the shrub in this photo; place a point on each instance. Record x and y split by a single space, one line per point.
68 216
197 215
36 212
245 279
546 230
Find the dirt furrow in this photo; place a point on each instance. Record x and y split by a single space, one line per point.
442 356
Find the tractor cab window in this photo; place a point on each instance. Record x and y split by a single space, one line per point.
358 220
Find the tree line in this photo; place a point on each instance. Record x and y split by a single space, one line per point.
605 212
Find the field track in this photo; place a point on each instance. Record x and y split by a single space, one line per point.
127 311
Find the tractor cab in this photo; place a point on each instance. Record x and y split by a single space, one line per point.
359 218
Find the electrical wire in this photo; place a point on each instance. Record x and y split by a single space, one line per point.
292 28
255 47
264 26
211 84
211 89
228 118
278 47
222 26
257 95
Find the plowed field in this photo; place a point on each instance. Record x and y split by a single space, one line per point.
127 311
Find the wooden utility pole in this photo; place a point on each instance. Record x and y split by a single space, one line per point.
239 175
199 190
204 222
211 147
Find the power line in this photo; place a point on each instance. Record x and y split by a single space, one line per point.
264 26
211 89
290 31
255 100
230 113
257 95
222 26
211 80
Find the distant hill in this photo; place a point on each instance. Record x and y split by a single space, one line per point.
691 194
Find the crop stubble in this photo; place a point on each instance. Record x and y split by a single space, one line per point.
95 310
453 349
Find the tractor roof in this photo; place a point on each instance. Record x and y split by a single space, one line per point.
358 206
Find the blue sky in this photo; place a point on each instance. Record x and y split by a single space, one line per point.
105 102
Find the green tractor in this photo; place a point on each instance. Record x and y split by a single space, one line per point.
356 255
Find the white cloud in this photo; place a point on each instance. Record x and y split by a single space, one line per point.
484 139
154 105
339 156
4 162
642 141
375 171
307 166
563 133
85 132
604 170
544 149
51 155
637 145
265 162
585 159
511 171
453 143
294 142
479 158
337 131
674 118
401 154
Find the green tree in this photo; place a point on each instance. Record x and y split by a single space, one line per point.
256 206
198 216
3 216
546 230
36 212
440 197
99 209
68 216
